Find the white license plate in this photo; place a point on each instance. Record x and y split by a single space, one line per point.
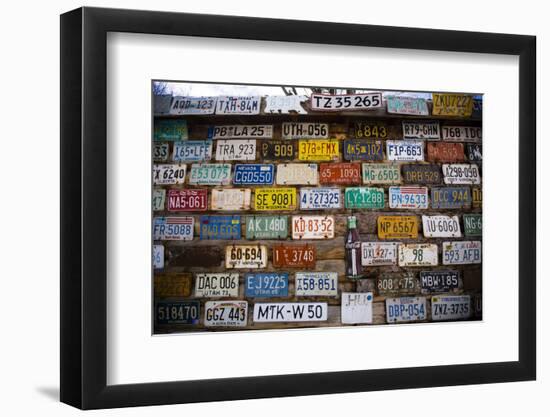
245 256
238 105
316 284
461 174
225 313
378 253
297 174
241 132
451 307
158 256
356 307
284 104
381 174
160 152
417 254
236 150
441 226
210 174
461 253
231 199
192 150
169 174
320 198
217 285
290 312
400 150
193 105
173 228
159 198
343 102
295 130
408 197
461 133
404 309
421 130
312 227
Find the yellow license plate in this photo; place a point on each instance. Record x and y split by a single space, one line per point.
172 285
318 150
275 199
397 227
477 199
452 105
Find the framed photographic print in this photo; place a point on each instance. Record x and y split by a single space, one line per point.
256 208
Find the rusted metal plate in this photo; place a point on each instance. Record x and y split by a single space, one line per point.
278 150
451 197
297 174
285 104
275 199
472 224
356 308
378 253
461 174
177 312
210 174
320 198
240 132
159 197
461 133
169 174
289 312
245 256
170 130
417 254
160 152
364 197
266 227
346 102
421 130
444 152
473 152
188 200
439 281
318 149
460 105
316 284
172 285
451 307
397 227
410 198
441 226
477 199
190 256
245 105
192 150
405 309
371 130
312 227
343 173
397 283
405 150
232 313
173 228
298 130
231 199
158 256
219 284
363 149
425 174
461 253
407 105
236 150
220 227
294 256
193 105
374 173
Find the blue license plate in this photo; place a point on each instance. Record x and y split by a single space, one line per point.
365 150
192 151
177 312
451 197
253 174
273 284
220 227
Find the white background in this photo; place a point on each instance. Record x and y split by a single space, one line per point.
30 173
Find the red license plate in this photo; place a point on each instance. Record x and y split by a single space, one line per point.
445 152
340 173
295 256
187 200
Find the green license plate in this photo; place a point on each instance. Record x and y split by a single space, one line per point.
472 224
364 197
266 227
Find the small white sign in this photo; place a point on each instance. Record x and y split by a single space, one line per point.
297 174
231 199
356 307
290 312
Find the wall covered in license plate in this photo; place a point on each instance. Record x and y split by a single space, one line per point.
279 207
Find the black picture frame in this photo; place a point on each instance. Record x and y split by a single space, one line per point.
84 221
